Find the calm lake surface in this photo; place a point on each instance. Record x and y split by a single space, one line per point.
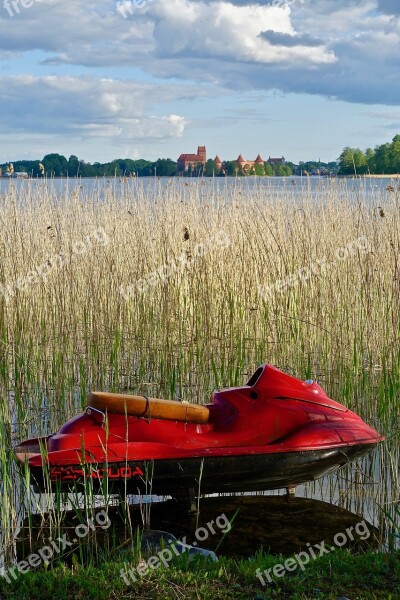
312 188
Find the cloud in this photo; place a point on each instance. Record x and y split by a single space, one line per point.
75 33
289 41
187 30
342 49
388 114
87 107
390 7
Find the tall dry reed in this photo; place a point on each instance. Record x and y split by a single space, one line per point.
201 322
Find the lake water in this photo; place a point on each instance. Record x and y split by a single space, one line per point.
151 187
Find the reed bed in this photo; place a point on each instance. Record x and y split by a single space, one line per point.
202 321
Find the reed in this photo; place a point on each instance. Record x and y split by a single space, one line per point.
69 322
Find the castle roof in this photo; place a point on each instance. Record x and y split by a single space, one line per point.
259 160
240 159
217 160
273 160
189 157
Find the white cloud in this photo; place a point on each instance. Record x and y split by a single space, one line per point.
74 33
86 106
344 49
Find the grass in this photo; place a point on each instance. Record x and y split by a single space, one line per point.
69 329
365 577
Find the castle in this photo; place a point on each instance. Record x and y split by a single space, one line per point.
248 165
192 162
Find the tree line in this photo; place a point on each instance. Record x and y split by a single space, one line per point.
56 165
383 160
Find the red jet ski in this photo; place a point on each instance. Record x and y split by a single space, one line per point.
275 432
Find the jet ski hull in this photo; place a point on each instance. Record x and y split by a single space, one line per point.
272 433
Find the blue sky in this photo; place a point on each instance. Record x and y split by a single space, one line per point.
149 78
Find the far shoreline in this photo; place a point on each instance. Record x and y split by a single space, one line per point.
389 176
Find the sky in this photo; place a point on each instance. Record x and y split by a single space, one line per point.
135 79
